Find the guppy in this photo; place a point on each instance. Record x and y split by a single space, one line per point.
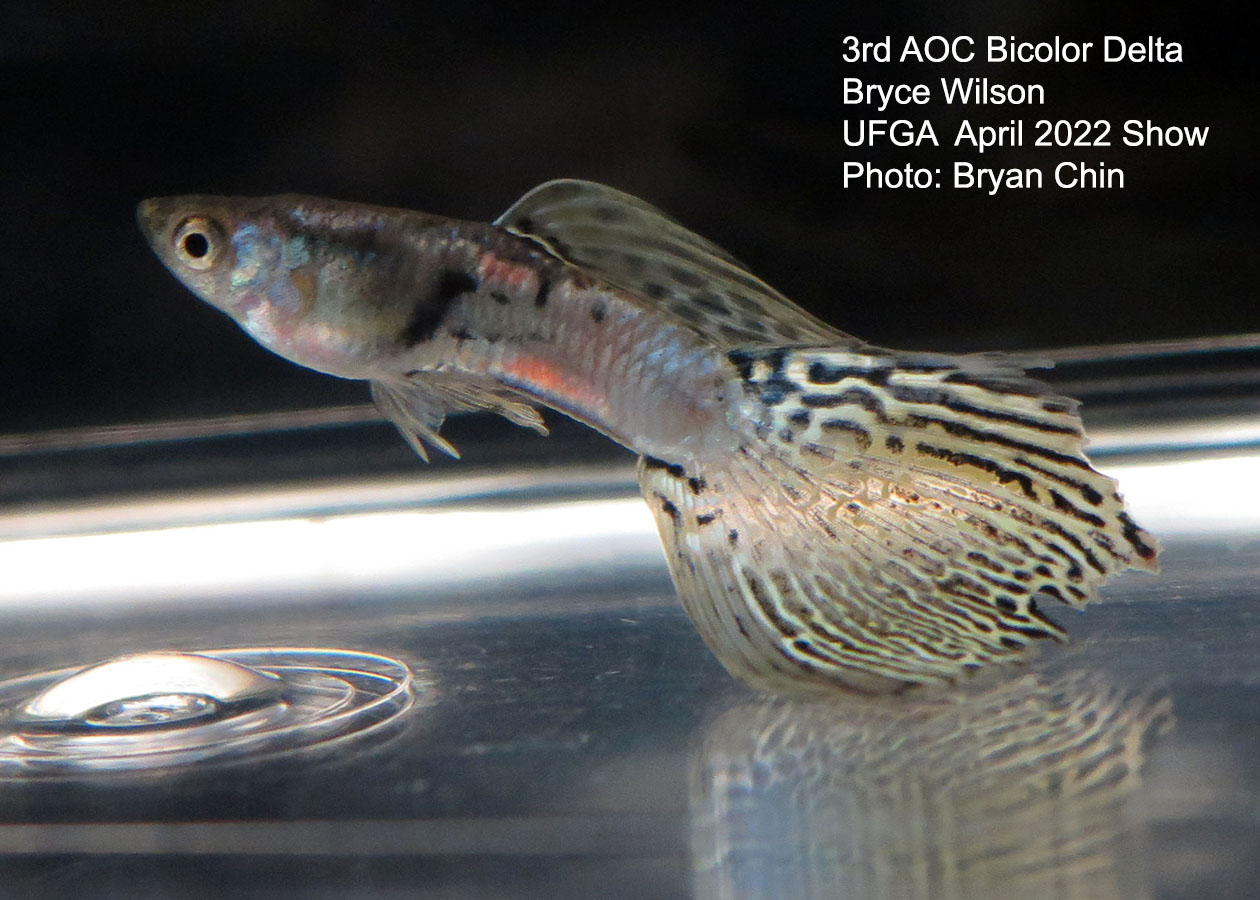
832 512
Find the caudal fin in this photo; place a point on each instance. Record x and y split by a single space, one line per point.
890 518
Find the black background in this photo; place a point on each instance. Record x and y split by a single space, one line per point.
729 118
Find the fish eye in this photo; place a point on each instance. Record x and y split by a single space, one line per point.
198 241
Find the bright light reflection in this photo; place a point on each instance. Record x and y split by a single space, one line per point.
1193 496
335 553
363 551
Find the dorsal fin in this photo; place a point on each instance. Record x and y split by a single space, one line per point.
636 247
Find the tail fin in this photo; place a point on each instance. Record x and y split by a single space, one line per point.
889 518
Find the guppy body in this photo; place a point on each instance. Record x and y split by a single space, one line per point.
832 512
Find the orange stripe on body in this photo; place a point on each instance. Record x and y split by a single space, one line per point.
511 275
554 381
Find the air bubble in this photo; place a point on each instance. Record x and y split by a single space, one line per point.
160 710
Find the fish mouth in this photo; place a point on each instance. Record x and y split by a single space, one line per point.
152 217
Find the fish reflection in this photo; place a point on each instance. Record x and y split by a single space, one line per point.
1014 790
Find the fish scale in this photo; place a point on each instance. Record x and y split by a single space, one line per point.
833 514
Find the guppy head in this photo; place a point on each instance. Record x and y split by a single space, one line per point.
309 282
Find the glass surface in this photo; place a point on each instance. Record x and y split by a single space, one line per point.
572 737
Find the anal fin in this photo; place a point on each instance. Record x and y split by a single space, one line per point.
420 403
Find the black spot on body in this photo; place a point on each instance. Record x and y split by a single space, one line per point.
705 519
655 290
696 484
598 312
544 289
732 537
670 509
894 443
500 298
800 418
429 312
454 283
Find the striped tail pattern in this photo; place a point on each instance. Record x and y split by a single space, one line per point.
890 518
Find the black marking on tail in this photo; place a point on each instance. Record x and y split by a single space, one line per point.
958 458
860 434
854 396
997 386
1062 504
958 429
652 462
821 373
758 590
1133 534
1091 496
995 415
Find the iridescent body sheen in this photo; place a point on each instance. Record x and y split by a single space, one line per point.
833 513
